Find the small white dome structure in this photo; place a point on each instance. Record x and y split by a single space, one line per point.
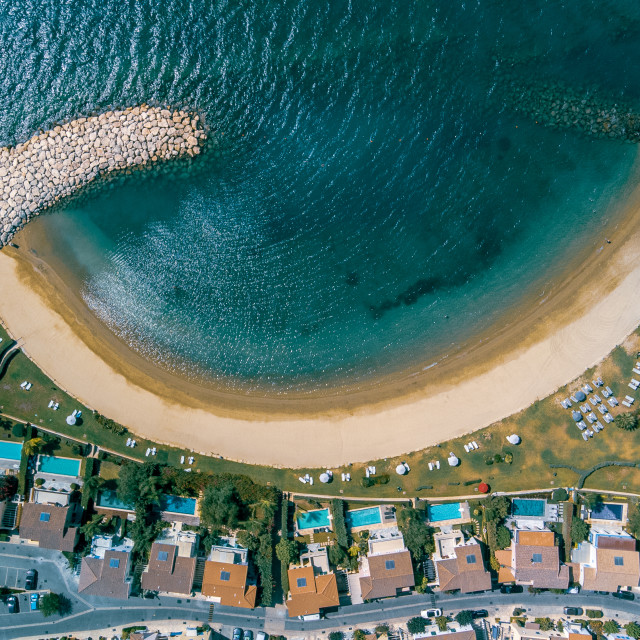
401 469
71 420
453 460
514 438
324 478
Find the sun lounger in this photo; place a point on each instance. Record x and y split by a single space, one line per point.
181 459
430 465
636 370
343 477
24 384
597 397
51 403
303 480
28 387
613 402
598 425
608 390
475 445
592 418
585 437
630 399
466 448
128 442
608 418
366 472
348 477
606 393
437 463
602 409
581 425
585 408
407 467
55 406
631 386
146 455
188 470
311 480
626 404
565 403
573 399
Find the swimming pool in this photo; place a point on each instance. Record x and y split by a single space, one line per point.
607 511
448 511
10 450
364 517
177 504
110 500
60 466
314 519
528 507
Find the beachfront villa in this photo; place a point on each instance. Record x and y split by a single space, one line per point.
453 632
532 631
533 560
168 571
532 514
50 526
312 585
608 561
459 564
227 579
106 576
387 570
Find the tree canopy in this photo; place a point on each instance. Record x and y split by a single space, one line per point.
579 530
464 617
503 537
627 421
54 603
220 506
632 629
417 535
496 508
8 487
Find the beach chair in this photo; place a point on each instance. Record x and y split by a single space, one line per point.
133 444
348 477
56 406
636 370
565 403
606 393
475 445
366 472
585 437
343 477
581 425
626 404
597 397
302 480
587 388
630 399
573 399
128 442
181 459
311 480
631 386
51 403
608 418
598 425
593 401
28 387
24 384
585 408
609 390
430 465
591 418
146 455
466 448
602 409
589 433
188 470
437 463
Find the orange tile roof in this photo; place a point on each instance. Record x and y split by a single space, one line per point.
536 538
233 592
311 593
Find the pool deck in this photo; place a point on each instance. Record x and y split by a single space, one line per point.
386 522
465 516
308 530
607 522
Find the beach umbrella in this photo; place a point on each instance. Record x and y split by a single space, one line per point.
71 420
324 477
514 438
401 469
453 460
581 396
483 487
576 415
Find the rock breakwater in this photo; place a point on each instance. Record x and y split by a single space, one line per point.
53 165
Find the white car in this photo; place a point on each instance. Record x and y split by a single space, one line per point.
431 613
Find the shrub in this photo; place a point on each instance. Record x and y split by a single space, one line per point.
579 530
508 457
109 424
497 458
73 486
336 635
88 473
442 621
464 617
359 634
18 430
468 483
545 624
503 537
39 482
339 526
611 626
593 613
382 629
416 625
632 629
559 495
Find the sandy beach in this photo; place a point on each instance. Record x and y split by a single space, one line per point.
540 347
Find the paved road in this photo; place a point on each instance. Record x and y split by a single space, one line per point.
91 613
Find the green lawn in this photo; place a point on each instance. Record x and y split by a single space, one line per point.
549 436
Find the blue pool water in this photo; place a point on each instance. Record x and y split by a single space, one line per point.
10 450
448 511
607 511
364 517
527 507
60 466
314 519
381 182
110 500
176 504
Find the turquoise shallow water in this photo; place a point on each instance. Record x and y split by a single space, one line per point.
369 199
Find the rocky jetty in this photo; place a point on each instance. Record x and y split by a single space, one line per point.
58 163
590 112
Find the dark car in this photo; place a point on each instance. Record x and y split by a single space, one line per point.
237 634
12 603
624 595
479 613
31 581
573 611
248 634
511 588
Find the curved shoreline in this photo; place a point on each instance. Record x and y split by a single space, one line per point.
55 164
588 314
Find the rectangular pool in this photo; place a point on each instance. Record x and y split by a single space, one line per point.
607 511
59 466
363 517
177 504
440 512
528 507
314 519
10 450
110 500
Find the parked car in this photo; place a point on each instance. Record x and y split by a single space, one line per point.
248 634
34 601
479 613
12 603
624 595
431 613
573 611
31 581
511 588
237 634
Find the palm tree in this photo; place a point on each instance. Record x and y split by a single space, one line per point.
33 446
627 421
93 526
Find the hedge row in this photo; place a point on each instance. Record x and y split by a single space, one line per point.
284 525
339 525
88 473
264 562
24 460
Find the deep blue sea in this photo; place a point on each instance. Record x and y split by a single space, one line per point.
371 196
